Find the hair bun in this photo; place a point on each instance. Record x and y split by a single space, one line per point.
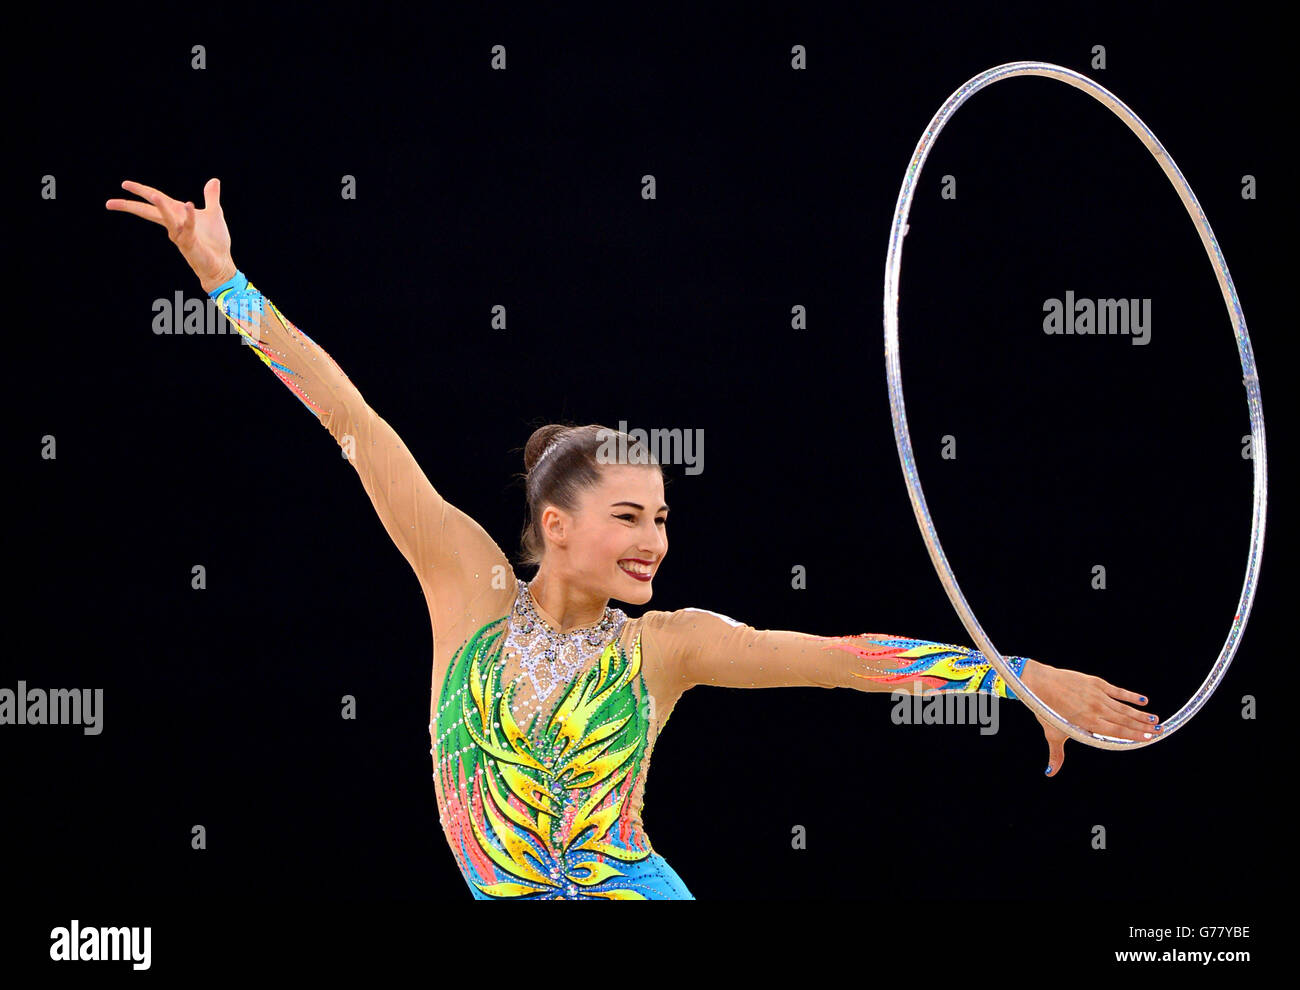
539 441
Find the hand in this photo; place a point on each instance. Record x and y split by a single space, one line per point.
1088 702
201 235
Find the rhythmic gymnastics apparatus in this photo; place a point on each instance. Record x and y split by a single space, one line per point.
546 702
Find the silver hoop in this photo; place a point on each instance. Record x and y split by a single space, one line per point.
893 264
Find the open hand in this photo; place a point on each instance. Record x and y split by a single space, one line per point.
1090 703
201 235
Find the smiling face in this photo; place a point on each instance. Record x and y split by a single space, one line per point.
613 545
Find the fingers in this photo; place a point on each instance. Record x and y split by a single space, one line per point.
1114 724
1108 718
1109 726
146 210
1128 717
185 232
1121 694
1055 754
212 194
146 192
168 212
1137 724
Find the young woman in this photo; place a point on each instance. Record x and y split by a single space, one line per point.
546 702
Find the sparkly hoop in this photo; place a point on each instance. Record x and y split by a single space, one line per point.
893 263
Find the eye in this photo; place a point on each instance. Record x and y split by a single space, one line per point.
662 520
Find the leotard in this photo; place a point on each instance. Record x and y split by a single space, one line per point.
541 739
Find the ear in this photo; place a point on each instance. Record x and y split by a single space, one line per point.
555 524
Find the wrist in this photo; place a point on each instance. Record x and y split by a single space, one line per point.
224 275
1002 687
1032 674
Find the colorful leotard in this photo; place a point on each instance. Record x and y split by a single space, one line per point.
541 739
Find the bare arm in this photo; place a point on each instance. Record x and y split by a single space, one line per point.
456 561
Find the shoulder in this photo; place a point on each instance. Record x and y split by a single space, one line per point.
668 630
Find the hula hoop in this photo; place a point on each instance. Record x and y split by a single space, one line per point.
893 264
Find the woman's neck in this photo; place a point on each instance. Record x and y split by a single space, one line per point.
563 606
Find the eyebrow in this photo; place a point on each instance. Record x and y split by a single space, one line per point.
638 505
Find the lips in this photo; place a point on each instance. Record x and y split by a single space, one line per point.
639 569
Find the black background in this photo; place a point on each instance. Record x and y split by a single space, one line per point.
775 188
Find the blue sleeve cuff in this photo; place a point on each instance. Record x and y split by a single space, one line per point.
1017 665
237 282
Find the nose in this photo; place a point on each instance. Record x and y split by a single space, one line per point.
656 548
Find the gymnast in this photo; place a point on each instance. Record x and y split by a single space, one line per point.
546 702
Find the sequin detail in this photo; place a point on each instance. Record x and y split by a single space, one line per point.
246 309
937 666
551 658
543 811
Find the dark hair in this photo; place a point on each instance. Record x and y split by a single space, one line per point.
569 469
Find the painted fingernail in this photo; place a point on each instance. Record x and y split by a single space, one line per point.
1143 699
1146 735
1048 771
1151 718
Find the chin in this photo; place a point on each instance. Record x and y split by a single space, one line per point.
634 592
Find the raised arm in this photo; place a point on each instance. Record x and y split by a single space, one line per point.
459 566
454 558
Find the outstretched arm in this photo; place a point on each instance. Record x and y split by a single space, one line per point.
459 566
696 646
708 648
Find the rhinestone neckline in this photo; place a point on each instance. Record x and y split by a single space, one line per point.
593 633
549 658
